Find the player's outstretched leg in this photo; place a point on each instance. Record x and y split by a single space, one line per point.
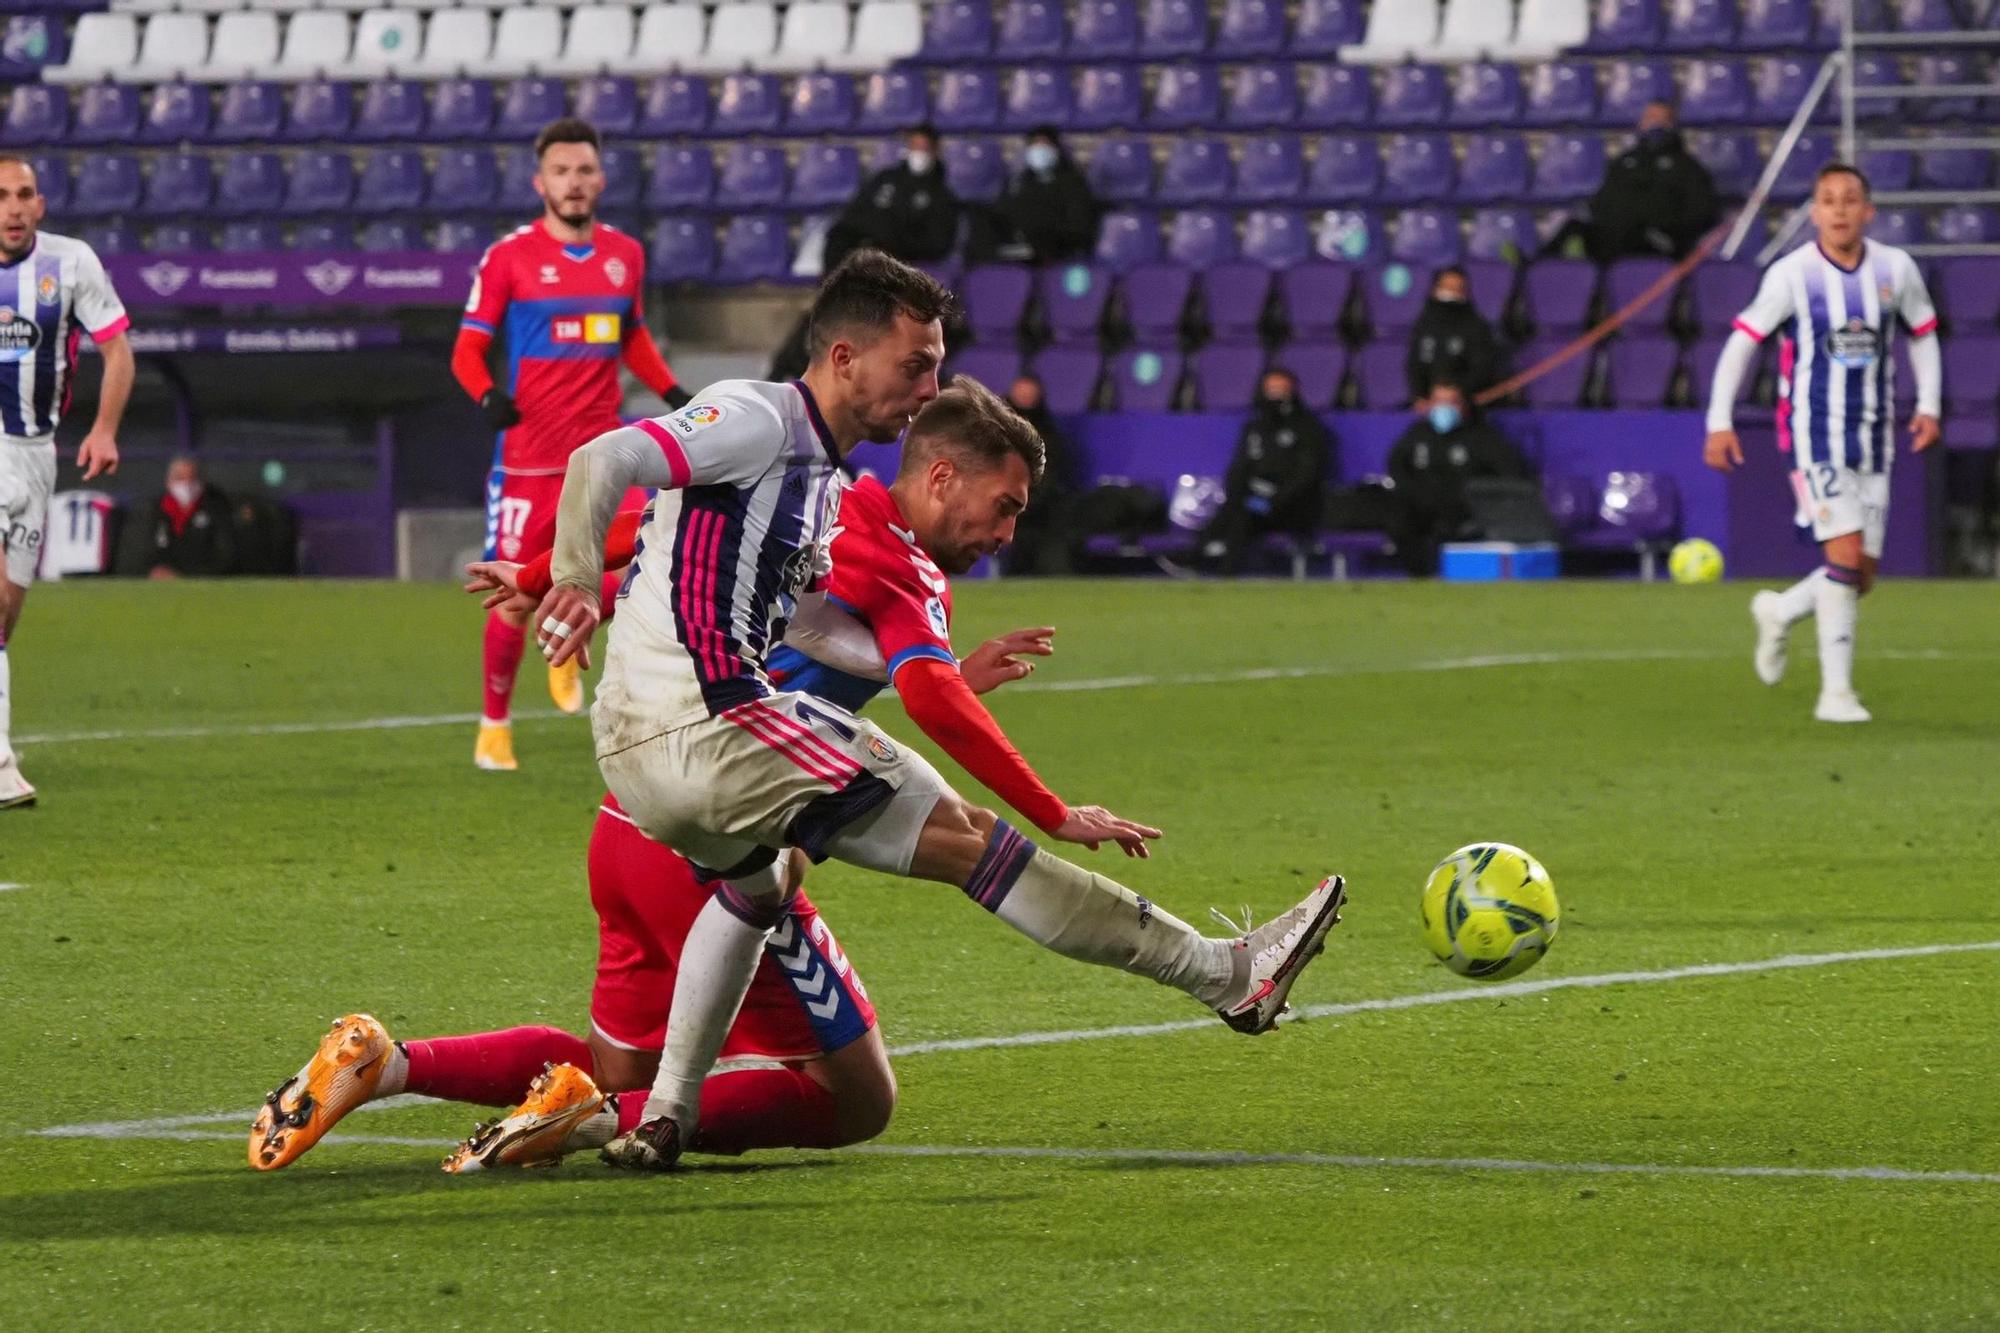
345 1071
560 1101
501 653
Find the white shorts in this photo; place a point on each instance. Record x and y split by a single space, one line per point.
27 479
1840 501
789 770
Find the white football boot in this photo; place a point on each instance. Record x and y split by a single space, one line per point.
1772 633
15 791
1843 707
1270 958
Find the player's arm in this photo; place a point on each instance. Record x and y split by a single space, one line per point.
641 356
1926 359
484 309
515 590
1773 306
100 312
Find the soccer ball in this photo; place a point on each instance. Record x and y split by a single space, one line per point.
1489 911
1695 560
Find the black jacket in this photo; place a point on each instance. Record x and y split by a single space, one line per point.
1055 214
1284 456
1059 457
203 543
910 217
1656 200
1430 470
1451 336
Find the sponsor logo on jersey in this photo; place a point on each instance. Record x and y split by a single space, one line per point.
596 330
19 335
695 416
1854 345
549 274
330 277
48 290
940 623
165 277
614 270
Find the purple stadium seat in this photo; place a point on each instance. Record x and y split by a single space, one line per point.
755 248
252 183
1234 295
1379 382
821 103
1485 93
1732 157
624 175
1966 224
1888 168
1778 84
1493 282
1250 28
1701 25
53 176
1571 500
255 236
322 237
1898 226
1625 279
1392 296
827 176
1104 29
388 236
1029 29
1775 25
975 169
37 113
752 176
1571 167
176 113
1319 367
958 30
1629 85
181 183
107 184
1174 28
1336 97
748 104
321 182
1718 292
609 102
1073 299
1417 168
1716 92
465 180
1038 95
517 181
1271 169
1945 69
1322 27
1971 415
1557 295
683 176
1262 96
1201 238
1955 169
1498 233
1197 169
681 249
530 103
1562 387
994 367
1345 169
1702 354
1349 236
675 104
106 113
1225 376
996 301
179 238
894 100
461 109
1967 288
1496 169
1561 92
1145 379
112 239
1637 508
317 111
1642 370
250 113
1108 97
1427 237
1186 96
1127 240
1927 16
1795 178
968 99
1154 298
1314 297
1412 95
1625 25
1121 170
392 181
1877 71
1069 378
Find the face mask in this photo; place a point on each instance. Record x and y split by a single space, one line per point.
1657 137
1447 298
1281 405
1041 157
1445 418
920 163
184 492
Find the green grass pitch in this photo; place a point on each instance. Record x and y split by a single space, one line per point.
193 908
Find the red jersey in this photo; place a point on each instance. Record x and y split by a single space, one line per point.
568 311
880 573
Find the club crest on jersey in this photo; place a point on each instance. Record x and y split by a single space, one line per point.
48 290
882 750
614 271
695 416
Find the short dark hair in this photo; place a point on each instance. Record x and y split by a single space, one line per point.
1844 169
1447 379
861 299
968 420
570 129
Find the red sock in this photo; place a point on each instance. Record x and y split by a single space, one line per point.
504 644
762 1108
490 1068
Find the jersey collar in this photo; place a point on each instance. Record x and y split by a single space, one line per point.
32 251
1859 259
818 422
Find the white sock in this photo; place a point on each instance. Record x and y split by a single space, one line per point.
1802 598
1087 917
1839 605
6 704
598 1130
395 1072
717 964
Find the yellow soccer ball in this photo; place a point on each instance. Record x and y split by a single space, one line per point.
1695 560
1489 911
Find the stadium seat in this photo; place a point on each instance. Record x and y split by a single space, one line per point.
252 183
1496 169
1187 96
1200 238
813 33
112 239
386 41
975 169
1955 169
1898 226
1637 510
321 182
1965 224
755 248
1348 235
895 100
994 367
1624 281
1561 387
1877 72
1967 288
821 103
1145 379
101 46
176 113
1557 294
1396 32
1319 368
1029 30
1412 95
1276 237
1971 413
392 181
1323 28
752 176
1121 171
1795 178
456 236
1473 30
748 103
681 249
1069 377
178 238
1380 384
1775 25
327 236
1702 355
1262 97
245 46
1174 28
1392 296
967 99
1733 159
464 180
1492 282
1718 292
387 236
107 184
106 113
742 33
1417 168
1570 168
1270 169
1484 93
1103 30
1108 97
318 44
958 30
610 102
1427 237
172 46
391 109
1313 297
1927 16
683 176
1073 299
1505 234
1888 168
1716 92
1345 169
251 237
1126 240
1626 25
1777 86
885 32
599 39
1944 70
1197 170
252 112
1233 298
1562 92
180 184
1629 85
1154 298
1037 96
530 103
669 37
460 108
517 196
1701 25
53 176
525 40
1546 28
1336 97
1225 376
673 105
1249 29
37 113
624 178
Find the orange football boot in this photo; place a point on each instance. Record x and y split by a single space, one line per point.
533 1133
343 1073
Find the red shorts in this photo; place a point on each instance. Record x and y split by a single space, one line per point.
521 513
805 1000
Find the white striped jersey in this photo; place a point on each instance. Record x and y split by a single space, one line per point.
49 298
78 537
721 557
1835 368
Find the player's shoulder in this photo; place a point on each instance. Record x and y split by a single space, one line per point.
1894 257
514 242
613 239
59 246
739 406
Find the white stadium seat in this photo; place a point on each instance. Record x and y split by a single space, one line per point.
283 6
740 34
245 47
317 42
173 44
350 6
670 37
141 6
600 37
1473 28
524 41
209 6
1396 32
814 33
102 44
386 41
885 31
426 5
456 41
1550 27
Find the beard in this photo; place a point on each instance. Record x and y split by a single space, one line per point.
573 215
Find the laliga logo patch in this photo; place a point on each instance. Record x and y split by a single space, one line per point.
330 277
165 277
882 750
696 416
614 269
48 290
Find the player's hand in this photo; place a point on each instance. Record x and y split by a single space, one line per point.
1093 825
997 661
1722 451
564 622
1924 432
498 405
500 578
98 454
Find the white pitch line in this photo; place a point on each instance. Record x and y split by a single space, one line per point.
8 888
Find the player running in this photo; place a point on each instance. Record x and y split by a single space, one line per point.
1838 303
706 755
52 291
568 290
